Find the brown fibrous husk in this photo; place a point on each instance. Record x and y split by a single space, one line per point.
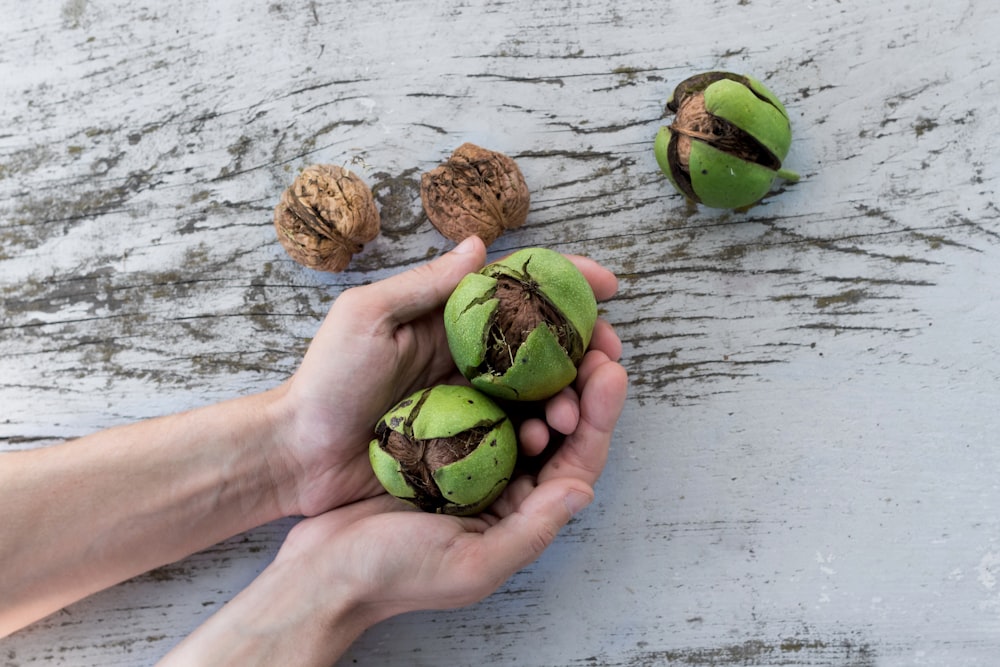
419 459
521 309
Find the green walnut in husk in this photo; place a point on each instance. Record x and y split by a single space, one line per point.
448 449
726 144
518 329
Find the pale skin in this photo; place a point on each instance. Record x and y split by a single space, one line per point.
86 514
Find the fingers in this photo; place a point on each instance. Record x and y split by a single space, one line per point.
521 536
408 295
533 435
591 362
512 497
602 385
562 411
606 340
602 281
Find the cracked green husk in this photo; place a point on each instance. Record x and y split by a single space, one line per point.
466 486
720 174
542 365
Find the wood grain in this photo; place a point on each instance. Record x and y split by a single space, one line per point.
806 471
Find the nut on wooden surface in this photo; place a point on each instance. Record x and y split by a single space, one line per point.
325 217
726 144
477 192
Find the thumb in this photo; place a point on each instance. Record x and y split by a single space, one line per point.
522 536
408 295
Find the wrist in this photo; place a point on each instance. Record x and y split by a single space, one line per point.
290 614
284 471
296 454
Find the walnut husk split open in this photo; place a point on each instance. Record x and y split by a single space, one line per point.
694 122
447 449
325 217
518 328
419 459
521 309
477 192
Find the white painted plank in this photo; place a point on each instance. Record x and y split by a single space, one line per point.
806 469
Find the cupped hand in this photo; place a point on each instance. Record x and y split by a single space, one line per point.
372 557
396 560
378 344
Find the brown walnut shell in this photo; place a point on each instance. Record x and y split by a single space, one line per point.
325 217
477 192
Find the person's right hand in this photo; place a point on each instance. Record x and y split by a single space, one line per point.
346 569
397 560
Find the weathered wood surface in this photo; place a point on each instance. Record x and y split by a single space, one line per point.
807 469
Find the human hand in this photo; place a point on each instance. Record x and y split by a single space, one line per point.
342 571
393 560
378 344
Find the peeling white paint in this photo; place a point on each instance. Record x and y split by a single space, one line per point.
806 467
988 569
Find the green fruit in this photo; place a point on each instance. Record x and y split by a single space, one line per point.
726 144
519 328
447 449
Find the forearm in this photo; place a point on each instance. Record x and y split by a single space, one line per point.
282 618
86 514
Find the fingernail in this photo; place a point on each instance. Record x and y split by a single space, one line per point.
576 501
465 247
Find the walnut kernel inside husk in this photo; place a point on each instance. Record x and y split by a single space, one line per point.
694 122
419 459
477 192
521 309
325 217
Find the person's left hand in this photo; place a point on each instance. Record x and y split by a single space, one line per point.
378 344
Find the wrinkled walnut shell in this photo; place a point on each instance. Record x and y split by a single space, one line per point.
325 217
477 192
